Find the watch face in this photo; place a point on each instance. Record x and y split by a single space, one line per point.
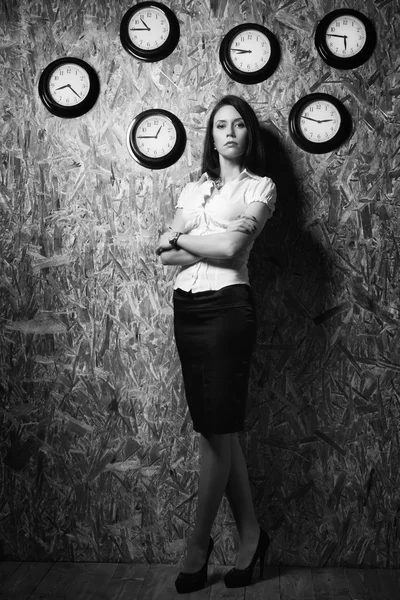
148 28
346 36
250 50
319 121
249 53
69 87
68 84
149 31
155 136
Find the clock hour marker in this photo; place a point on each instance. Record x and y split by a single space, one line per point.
254 43
69 85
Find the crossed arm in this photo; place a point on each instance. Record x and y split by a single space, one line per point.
193 248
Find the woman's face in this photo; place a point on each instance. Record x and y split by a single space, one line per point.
230 133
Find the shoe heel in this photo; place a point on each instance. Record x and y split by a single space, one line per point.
262 563
193 582
243 577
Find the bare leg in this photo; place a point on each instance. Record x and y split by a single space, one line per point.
240 499
215 464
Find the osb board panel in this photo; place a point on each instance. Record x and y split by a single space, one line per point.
99 461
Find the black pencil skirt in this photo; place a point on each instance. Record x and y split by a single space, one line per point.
215 332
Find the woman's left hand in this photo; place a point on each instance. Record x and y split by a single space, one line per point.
243 224
163 243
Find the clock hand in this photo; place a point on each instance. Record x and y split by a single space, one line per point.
336 35
145 28
147 137
156 136
240 51
68 86
310 119
316 120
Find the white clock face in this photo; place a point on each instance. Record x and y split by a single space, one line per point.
319 121
346 36
69 84
149 28
250 50
155 136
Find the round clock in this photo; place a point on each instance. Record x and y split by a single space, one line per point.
319 123
149 31
249 53
345 38
156 138
69 87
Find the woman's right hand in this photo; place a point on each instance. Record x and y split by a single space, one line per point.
243 224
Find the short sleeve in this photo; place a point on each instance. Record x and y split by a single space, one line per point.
184 195
263 190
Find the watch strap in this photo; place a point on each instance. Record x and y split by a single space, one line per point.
174 239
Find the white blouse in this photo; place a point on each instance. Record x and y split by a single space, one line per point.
208 210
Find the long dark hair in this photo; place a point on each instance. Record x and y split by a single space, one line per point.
254 159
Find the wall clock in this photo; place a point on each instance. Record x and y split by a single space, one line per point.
69 87
319 123
156 138
249 53
149 31
345 38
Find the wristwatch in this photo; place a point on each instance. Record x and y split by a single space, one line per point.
174 239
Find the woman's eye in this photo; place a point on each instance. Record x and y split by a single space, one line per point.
240 125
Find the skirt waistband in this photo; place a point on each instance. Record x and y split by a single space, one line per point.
229 296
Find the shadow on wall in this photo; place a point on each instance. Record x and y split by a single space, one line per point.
284 245
290 273
291 276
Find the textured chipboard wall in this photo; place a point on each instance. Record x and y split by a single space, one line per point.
99 461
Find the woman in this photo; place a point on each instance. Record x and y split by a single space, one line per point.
216 222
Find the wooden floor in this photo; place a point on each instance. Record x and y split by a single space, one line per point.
111 581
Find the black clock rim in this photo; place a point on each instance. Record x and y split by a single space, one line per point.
256 76
338 139
352 61
68 112
158 53
169 159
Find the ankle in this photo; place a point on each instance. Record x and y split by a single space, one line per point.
249 532
199 539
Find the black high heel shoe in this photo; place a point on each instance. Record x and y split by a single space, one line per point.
191 582
242 577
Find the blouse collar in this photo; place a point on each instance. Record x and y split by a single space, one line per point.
243 175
